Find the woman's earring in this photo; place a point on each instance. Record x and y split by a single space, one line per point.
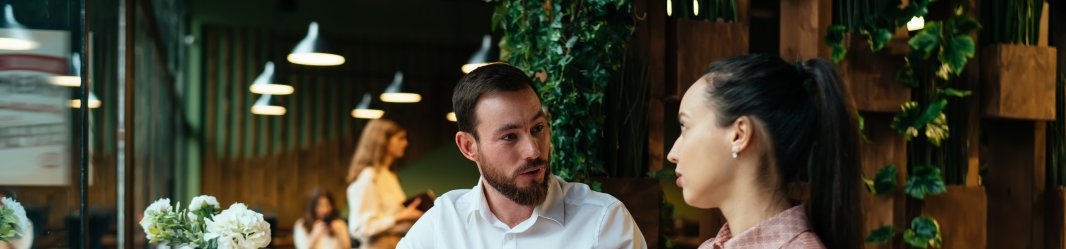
735 154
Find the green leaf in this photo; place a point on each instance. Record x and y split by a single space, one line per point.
952 92
834 38
906 117
957 52
923 181
934 110
885 180
878 38
926 40
923 233
881 235
596 185
964 25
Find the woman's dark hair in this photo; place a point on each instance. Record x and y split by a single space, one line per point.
811 125
309 216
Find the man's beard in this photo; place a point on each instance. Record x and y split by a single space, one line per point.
508 185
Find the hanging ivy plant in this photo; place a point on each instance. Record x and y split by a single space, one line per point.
939 53
574 50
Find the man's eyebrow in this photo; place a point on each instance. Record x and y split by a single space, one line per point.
506 127
540 114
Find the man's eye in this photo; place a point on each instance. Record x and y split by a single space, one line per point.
509 137
538 128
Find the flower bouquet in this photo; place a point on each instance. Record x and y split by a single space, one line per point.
13 221
202 225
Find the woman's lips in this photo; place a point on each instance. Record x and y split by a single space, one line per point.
678 181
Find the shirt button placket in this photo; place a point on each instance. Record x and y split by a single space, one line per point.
510 242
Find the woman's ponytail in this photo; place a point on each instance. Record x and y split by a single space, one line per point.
834 175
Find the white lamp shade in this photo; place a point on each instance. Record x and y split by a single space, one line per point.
264 106
13 35
74 79
393 93
265 83
364 111
310 51
481 56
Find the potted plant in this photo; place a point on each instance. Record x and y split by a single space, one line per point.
1017 68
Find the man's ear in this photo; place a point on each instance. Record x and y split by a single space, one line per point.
467 145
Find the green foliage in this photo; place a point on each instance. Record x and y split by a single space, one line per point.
881 235
835 39
1011 21
573 48
172 226
926 40
884 182
9 225
923 181
876 20
923 233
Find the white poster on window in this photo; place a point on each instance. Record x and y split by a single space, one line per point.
34 114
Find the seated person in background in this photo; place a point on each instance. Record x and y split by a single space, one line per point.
326 229
517 203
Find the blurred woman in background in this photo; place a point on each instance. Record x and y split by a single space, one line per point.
326 230
377 216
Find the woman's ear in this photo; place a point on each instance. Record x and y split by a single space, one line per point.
742 134
467 145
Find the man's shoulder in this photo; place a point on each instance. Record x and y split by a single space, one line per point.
580 194
455 200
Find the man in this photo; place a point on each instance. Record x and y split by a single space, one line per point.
517 203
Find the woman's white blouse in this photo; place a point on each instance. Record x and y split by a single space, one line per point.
374 199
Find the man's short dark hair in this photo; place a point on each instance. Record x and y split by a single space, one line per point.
496 77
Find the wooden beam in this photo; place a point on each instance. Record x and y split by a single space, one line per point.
804 24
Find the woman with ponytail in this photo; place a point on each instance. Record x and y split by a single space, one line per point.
753 125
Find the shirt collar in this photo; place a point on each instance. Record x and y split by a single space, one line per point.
553 207
770 233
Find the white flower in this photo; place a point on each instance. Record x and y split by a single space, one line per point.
151 215
199 202
238 228
159 206
20 214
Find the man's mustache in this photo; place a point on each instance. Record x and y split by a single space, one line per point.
532 164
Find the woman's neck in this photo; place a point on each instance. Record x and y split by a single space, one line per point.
387 162
754 205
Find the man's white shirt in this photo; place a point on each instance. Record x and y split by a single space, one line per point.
572 216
